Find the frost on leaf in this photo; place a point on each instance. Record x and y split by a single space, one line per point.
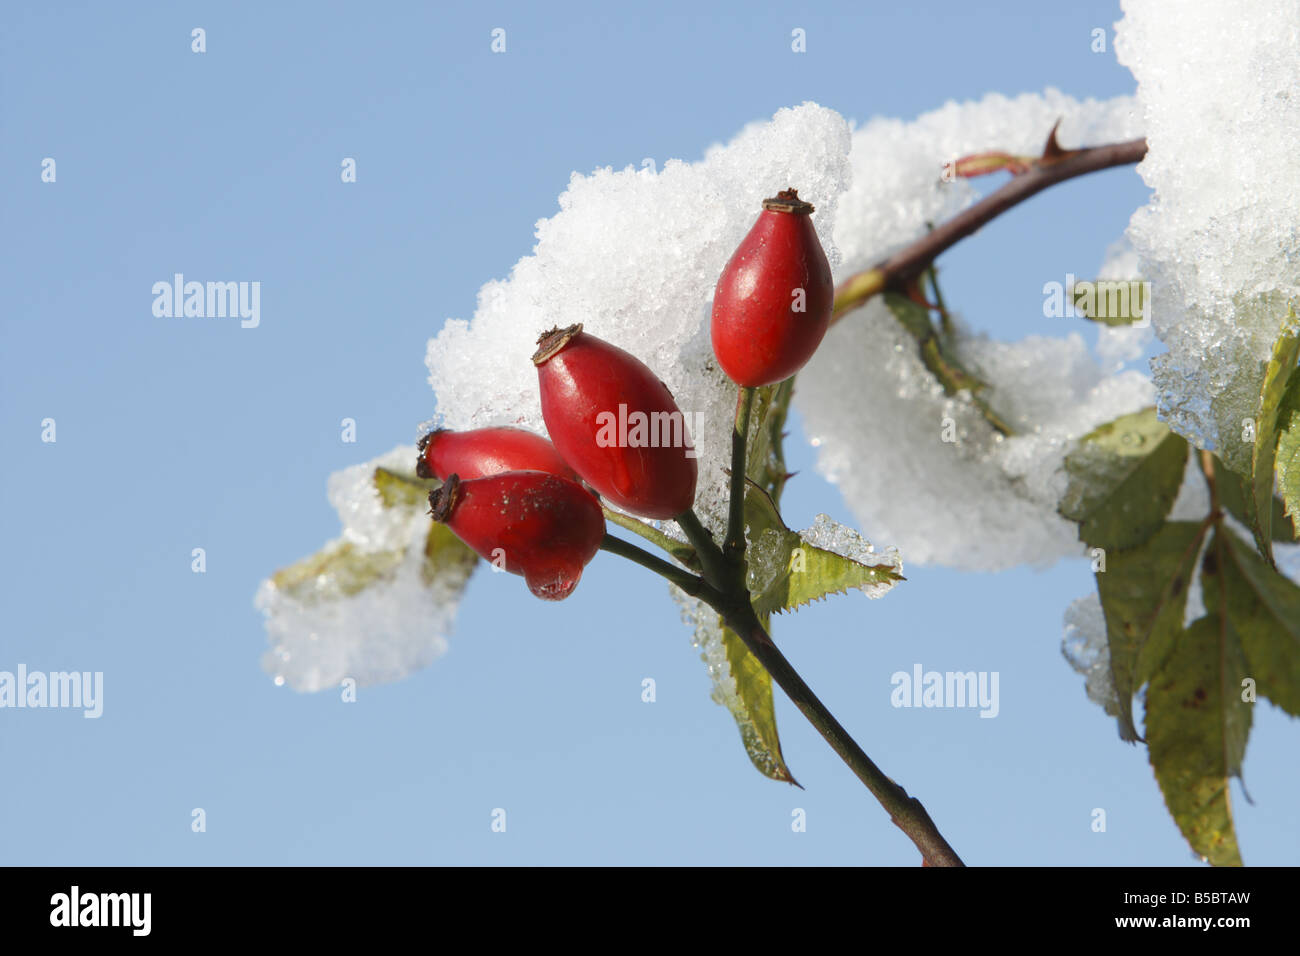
740 684
1084 646
789 569
1124 477
376 603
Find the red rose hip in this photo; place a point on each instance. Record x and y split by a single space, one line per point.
615 423
541 526
487 451
772 304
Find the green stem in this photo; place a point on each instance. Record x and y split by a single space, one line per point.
734 546
906 812
690 583
723 589
944 322
716 569
680 550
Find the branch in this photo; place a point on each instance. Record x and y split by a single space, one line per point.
724 590
906 812
688 582
1054 167
680 550
717 571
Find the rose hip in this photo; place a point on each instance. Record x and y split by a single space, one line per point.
590 392
772 305
487 451
541 526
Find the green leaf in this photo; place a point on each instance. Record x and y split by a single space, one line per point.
1123 479
1196 729
341 569
1111 301
756 715
743 686
680 550
788 570
752 705
911 315
1143 595
338 570
446 557
1287 466
1281 365
1264 607
403 490
1235 499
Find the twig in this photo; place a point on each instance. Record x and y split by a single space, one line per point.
906 812
716 570
734 546
899 269
724 590
690 583
680 550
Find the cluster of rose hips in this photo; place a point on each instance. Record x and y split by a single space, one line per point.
508 493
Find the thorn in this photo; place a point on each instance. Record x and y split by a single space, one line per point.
788 475
1052 151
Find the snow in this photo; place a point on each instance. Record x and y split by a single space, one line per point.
1086 648
634 255
897 165
381 633
1218 88
1117 346
876 415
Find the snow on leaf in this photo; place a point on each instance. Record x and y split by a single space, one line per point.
1124 477
788 570
376 603
741 684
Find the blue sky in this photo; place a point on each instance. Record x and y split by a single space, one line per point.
176 434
